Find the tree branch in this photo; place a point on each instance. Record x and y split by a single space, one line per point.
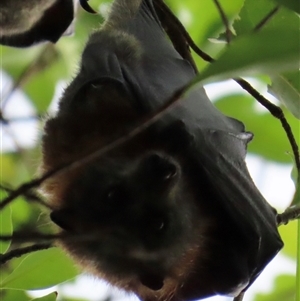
225 21
29 195
290 214
266 19
240 297
22 251
181 29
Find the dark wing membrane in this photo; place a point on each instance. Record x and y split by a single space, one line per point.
220 142
221 156
150 69
52 22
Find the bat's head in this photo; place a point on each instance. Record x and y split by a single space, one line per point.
132 217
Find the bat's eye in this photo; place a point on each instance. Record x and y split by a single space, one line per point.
96 86
158 225
162 167
113 194
155 225
171 173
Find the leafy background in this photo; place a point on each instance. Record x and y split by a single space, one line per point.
270 56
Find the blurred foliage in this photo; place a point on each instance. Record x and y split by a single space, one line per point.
5 228
37 70
284 289
13 295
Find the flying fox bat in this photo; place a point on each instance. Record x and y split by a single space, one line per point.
24 23
171 214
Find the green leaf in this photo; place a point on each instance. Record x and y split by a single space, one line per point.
251 14
288 234
291 4
255 53
254 12
8 168
6 227
50 297
21 211
286 87
14 295
41 269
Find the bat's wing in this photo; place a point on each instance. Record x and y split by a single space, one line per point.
220 155
29 23
150 71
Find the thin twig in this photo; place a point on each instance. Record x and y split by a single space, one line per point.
39 237
183 31
266 19
177 37
240 297
32 237
25 187
29 195
276 112
22 251
290 214
21 237
225 21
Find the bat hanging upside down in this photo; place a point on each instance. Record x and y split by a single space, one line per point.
171 214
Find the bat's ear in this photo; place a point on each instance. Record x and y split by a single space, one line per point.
43 23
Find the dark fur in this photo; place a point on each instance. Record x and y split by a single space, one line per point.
24 23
